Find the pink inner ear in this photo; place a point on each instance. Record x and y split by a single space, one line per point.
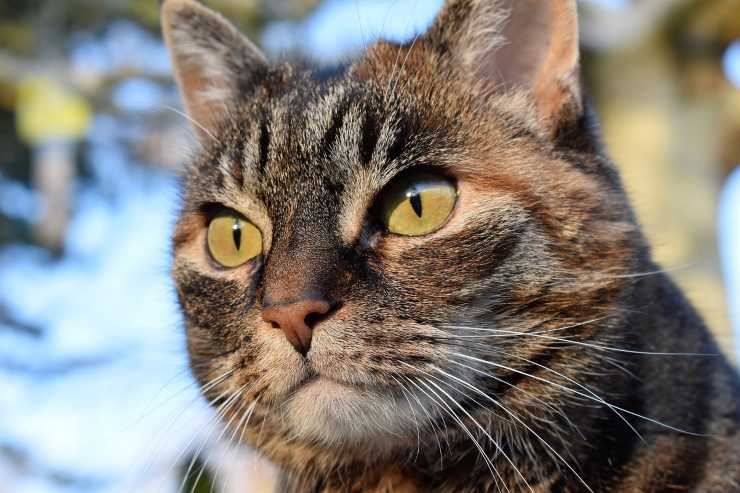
523 49
558 79
538 52
200 112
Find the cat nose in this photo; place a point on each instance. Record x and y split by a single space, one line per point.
296 320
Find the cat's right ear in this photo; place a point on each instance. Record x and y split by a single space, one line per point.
214 63
529 45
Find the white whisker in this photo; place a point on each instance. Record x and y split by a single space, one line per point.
515 417
443 405
193 121
220 413
573 391
485 432
505 332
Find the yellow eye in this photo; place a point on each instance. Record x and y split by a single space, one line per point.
232 240
418 204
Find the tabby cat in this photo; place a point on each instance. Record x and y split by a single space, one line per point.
421 273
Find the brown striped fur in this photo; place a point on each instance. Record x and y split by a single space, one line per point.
512 350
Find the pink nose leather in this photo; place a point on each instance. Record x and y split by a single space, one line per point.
294 319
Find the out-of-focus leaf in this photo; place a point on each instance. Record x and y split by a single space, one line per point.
46 110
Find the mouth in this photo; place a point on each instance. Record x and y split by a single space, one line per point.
314 376
318 381
334 411
319 386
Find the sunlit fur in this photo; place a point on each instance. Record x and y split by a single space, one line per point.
511 350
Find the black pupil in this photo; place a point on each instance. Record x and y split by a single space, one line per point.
236 232
415 200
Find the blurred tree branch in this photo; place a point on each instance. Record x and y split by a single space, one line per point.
95 87
603 29
52 369
23 465
9 322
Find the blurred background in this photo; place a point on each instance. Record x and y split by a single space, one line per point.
95 395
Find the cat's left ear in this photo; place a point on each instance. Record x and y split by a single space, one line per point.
516 44
214 63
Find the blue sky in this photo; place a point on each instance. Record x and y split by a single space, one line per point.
731 63
340 27
729 211
729 244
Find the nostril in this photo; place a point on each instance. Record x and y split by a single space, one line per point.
318 312
313 318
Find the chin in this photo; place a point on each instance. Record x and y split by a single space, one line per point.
336 414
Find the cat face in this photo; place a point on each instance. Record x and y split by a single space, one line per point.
361 258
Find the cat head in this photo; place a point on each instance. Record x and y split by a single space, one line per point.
356 255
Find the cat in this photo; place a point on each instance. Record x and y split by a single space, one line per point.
421 273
